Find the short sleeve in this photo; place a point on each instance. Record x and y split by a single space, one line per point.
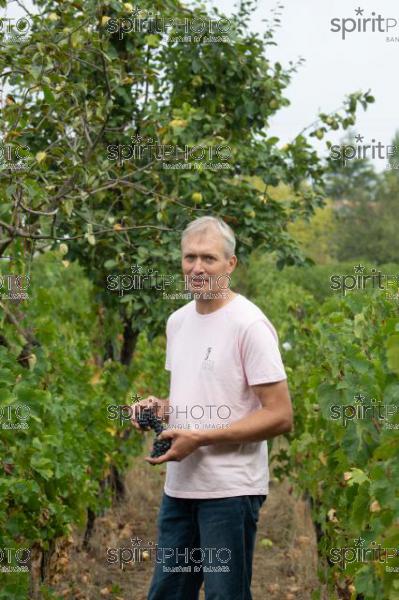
260 354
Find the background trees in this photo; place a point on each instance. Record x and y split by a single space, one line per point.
91 102
359 219
93 82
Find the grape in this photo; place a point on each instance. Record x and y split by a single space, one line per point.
147 418
160 447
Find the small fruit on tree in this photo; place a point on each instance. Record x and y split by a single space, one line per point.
196 197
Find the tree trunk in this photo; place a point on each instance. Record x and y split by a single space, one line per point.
91 517
35 573
117 484
130 336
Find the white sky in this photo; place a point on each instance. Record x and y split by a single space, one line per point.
333 67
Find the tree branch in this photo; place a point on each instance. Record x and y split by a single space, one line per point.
20 233
12 319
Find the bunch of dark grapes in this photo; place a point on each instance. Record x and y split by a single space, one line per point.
147 418
160 447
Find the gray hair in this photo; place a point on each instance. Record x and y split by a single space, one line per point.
203 224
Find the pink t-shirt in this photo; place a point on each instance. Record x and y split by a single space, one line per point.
214 359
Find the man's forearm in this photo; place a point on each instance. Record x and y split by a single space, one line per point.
260 425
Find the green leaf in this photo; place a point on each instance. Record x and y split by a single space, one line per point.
358 476
43 466
360 324
392 346
109 264
152 40
360 507
364 582
35 71
48 95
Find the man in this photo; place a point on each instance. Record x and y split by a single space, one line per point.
228 395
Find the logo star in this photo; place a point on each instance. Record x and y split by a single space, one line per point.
135 398
135 11
359 542
359 138
136 541
359 269
136 269
359 11
359 398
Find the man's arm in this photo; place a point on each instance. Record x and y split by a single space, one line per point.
275 417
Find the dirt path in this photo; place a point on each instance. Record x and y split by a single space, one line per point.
285 559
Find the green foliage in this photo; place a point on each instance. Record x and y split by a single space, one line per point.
316 236
77 92
81 92
148 370
366 206
277 293
260 272
369 230
50 473
340 347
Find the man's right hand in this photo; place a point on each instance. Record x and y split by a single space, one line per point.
157 405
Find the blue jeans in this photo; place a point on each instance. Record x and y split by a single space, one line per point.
210 541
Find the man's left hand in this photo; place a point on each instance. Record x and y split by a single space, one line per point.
183 443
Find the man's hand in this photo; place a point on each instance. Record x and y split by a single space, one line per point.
158 405
183 444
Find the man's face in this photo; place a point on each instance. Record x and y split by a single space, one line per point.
204 262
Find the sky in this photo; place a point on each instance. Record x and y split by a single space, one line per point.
334 66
